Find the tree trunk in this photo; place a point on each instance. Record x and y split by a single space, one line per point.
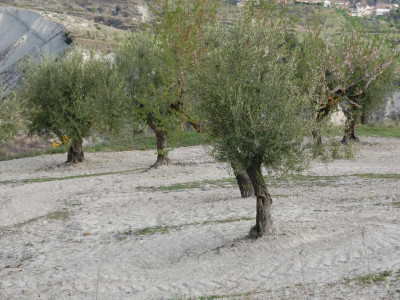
317 147
350 130
244 183
263 218
364 119
162 153
316 133
75 152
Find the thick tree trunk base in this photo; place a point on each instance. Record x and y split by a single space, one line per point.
264 224
162 160
162 153
350 131
349 138
245 185
75 152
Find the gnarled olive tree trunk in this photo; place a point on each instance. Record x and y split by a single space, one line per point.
263 218
75 152
162 153
244 182
350 130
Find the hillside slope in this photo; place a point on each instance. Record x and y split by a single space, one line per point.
22 33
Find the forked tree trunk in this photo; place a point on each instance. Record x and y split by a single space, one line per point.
245 185
263 218
350 130
161 135
75 152
244 182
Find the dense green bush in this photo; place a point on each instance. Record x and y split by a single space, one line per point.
10 116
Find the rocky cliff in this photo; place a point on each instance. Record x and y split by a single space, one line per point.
23 33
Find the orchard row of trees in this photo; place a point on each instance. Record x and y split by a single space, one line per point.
253 87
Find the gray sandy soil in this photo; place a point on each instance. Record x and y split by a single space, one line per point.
180 231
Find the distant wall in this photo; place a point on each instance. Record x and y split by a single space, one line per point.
390 109
24 32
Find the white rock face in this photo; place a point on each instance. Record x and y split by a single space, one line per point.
22 33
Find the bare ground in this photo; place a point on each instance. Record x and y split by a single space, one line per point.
180 231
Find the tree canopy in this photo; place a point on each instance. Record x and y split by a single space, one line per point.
62 96
253 109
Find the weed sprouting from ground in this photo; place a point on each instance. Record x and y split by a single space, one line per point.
370 278
59 215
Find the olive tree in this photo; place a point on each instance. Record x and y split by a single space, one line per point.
339 70
61 97
149 87
254 111
366 95
181 26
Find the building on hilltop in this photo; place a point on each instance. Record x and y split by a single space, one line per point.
382 9
360 10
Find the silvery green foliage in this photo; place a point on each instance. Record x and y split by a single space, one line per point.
247 94
149 85
71 95
10 116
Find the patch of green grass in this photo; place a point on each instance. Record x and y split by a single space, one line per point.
380 131
379 176
370 278
154 230
49 151
394 204
61 215
146 142
229 296
39 180
138 142
189 185
167 229
58 215
299 179
298 285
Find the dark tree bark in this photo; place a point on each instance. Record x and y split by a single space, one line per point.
364 119
263 218
244 183
316 133
317 147
350 130
75 152
162 153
